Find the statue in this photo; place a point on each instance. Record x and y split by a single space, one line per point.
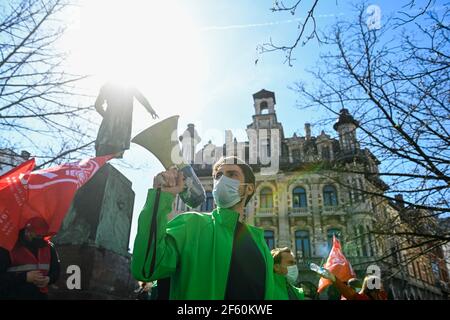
114 134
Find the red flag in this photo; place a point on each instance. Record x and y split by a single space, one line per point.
338 265
13 195
49 193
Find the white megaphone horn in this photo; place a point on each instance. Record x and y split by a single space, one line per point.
161 139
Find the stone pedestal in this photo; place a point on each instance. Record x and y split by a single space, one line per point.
104 274
94 236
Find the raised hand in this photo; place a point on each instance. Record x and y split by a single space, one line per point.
171 181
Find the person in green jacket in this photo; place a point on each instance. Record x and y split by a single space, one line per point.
286 274
206 255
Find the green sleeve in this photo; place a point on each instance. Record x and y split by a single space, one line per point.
155 253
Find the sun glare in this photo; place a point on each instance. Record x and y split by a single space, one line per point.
151 44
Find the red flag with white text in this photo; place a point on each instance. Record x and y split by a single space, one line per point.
45 193
338 265
13 195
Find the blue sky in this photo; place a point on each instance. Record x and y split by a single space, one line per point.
196 59
207 51
229 33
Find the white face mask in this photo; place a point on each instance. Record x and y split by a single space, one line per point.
226 192
292 273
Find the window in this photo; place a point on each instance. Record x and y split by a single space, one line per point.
208 204
270 238
264 107
333 231
362 238
299 198
417 268
330 196
371 243
394 256
264 147
266 199
435 269
326 153
302 243
361 193
296 155
350 192
357 246
414 269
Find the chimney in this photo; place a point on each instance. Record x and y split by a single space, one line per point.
25 155
308 131
399 200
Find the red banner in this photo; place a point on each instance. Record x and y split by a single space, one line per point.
13 195
338 265
45 193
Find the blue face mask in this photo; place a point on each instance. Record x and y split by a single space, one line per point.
292 273
226 192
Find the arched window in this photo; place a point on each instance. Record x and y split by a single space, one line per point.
208 204
263 107
299 198
266 198
330 196
330 232
270 238
302 245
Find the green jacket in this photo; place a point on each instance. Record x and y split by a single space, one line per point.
281 289
194 250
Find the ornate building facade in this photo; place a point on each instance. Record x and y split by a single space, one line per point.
305 203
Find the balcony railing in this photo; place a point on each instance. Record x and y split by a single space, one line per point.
332 210
298 212
360 207
265 212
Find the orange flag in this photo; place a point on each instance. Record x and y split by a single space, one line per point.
338 265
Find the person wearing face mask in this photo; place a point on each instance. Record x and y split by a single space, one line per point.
205 255
31 266
286 274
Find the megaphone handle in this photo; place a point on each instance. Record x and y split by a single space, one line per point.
152 236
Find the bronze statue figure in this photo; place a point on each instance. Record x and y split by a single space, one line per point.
114 134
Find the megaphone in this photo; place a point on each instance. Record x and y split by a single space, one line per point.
161 139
